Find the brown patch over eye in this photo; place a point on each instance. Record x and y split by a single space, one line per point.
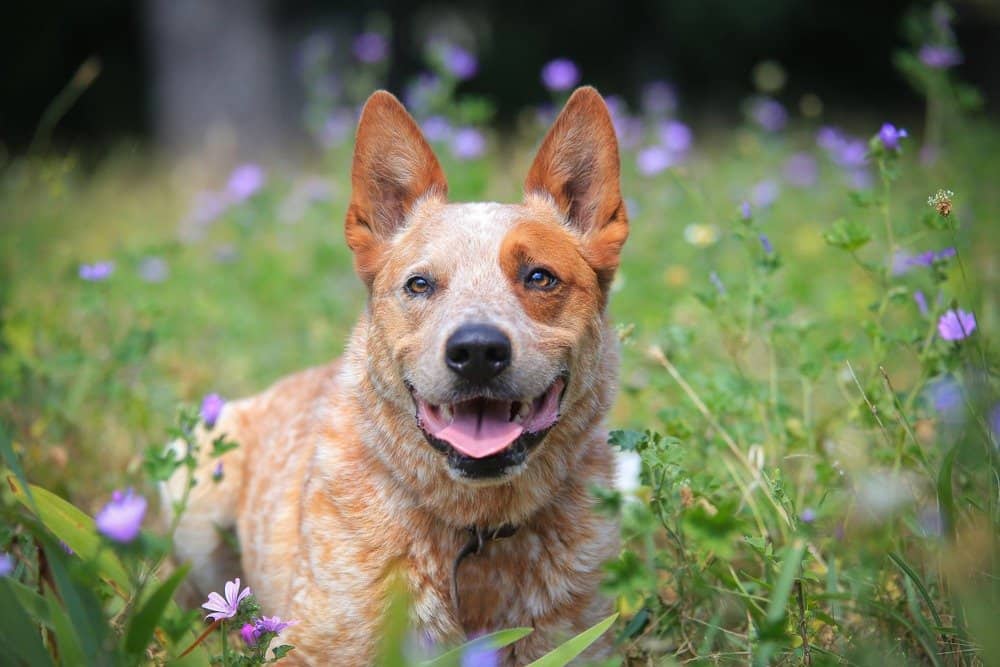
544 265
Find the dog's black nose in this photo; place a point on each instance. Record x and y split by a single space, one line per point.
477 352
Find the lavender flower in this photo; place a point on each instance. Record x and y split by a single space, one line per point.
96 272
460 63
420 93
808 515
890 135
658 98
745 211
956 324
468 143
676 136
653 159
154 269
769 114
122 517
945 396
272 624
480 655
560 74
244 182
230 605
921 300
939 57
250 634
929 257
764 193
211 408
766 244
6 564
370 47
436 128
217 472
336 128
801 170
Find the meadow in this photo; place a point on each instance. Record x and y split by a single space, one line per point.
809 391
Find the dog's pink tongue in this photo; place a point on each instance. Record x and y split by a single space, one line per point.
481 428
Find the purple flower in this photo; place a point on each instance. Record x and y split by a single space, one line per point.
927 258
945 396
653 159
808 515
956 324
244 182
829 138
745 211
764 193
336 128
250 634
121 518
766 244
217 472
272 624
96 272
230 605
769 114
65 547
890 135
461 63
921 300
211 408
436 128
419 94
6 564
480 655
995 422
801 170
939 57
468 143
658 98
676 136
560 74
370 47
154 269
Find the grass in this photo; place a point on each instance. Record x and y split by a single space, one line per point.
819 480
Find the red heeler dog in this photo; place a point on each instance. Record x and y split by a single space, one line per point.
457 442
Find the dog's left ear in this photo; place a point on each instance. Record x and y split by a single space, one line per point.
577 165
394 166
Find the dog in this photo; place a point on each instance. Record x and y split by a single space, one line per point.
456 444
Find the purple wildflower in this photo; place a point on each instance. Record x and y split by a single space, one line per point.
244 182
272 624
218 472
929 257
769 114
462 64
921 300
336 128
420 93
829 138
370 47
945 396
745 210
764 193
230 605
766 244
96 272
956 324
658 98
250 634
808 515
653 159
211 408
801 170
67 548
560 74
676 136
480 655
6 564
468 143
122 517
939 57
154 269
890 135
436 128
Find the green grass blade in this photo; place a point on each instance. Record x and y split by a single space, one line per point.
143 624
70 650
909 572
494 640
783 588
945 492
20 641
575 646
33 603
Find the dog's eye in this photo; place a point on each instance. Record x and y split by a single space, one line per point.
540 279
418 285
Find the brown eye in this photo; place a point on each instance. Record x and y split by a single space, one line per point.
418 286
540 279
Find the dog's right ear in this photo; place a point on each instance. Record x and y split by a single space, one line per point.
394 166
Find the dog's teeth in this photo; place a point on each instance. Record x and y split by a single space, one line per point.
446 413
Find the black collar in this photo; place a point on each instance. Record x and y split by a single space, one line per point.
478 538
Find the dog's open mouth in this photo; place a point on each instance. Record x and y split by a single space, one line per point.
482 431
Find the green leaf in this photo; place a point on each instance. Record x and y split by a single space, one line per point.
565 653
31 602
778 603
85 628
20 640
628 441
143 624
848 234
945 493
70 650
494 640
281 651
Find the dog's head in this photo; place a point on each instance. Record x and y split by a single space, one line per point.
486 321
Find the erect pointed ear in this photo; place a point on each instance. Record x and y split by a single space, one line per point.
393 167
577 165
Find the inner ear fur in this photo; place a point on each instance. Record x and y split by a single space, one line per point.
393 167
577 166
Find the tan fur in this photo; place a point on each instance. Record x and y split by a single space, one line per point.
334 489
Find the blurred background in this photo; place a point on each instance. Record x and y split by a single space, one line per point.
175 73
